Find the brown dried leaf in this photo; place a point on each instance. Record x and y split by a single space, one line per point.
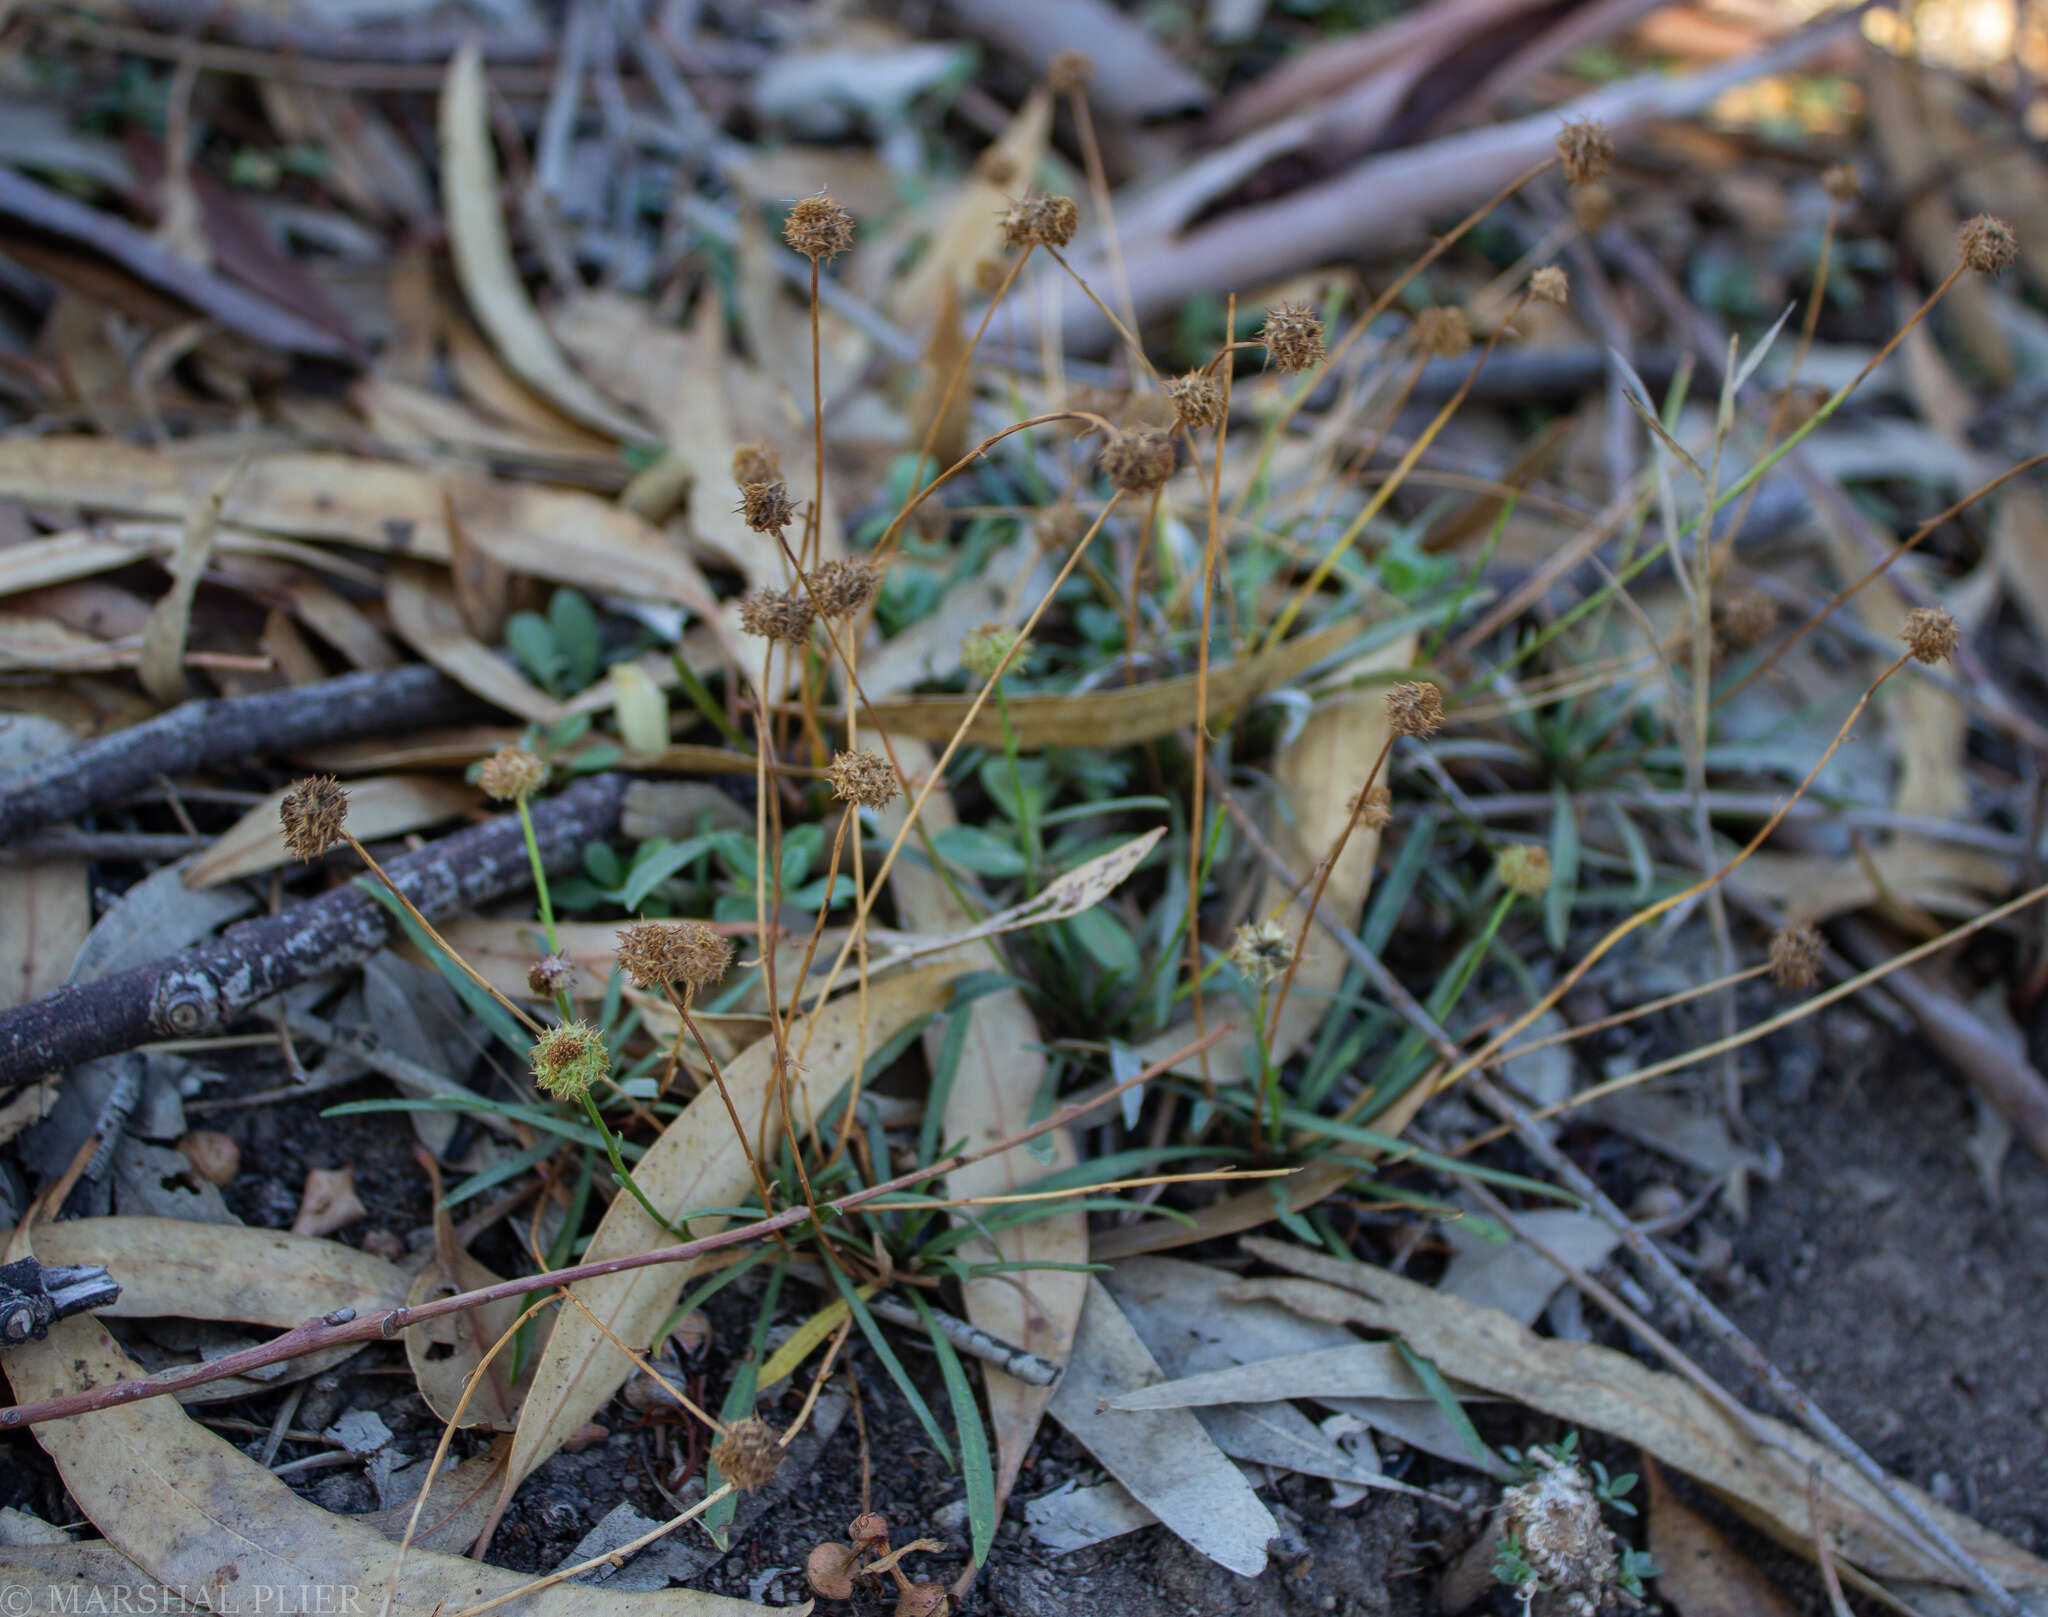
1698 1571
483 255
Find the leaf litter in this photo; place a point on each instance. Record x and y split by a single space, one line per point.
553 473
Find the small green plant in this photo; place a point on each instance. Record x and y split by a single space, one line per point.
1552 1534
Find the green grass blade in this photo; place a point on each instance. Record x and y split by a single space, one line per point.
499 1020
974 1460
739 1398
870 1329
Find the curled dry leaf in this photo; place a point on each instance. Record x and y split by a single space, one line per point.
328 1203
483 255
1699 1572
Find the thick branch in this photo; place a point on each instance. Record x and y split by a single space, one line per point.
194 735
209 986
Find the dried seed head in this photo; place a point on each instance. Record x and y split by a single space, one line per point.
1040 222
1415 708
766 506
862 777
510 774
657 953
1374 807
818 227
1839 180
1555 1518
829 1571
1748 616
1523 868
748 1455
1070 70
1138 461
1593 208
1059 524
550 975
1292 336
1988 245
1197 400
755 463
313 813
923 1600
1585 149
776 615
1443 332
982 650
1548 285
1797 954
842 588
1931 634
568 1060
1260 951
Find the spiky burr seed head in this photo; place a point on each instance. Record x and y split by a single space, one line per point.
842 588
864 778
924 1600
818 227
776 615
755 463
1415 707
1070 70
1748 616
1138 461
569 1060
1524 868
1260 950
1292 335
766 506
1931 634
1585 149
982 650
510 774
313 813
1374 807
1040 222
550 975
1197 400
1988 245
654 954
1840 181
748 1455
1549 285
1443 332
1797 954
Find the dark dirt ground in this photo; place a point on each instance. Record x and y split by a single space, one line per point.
1874 1270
